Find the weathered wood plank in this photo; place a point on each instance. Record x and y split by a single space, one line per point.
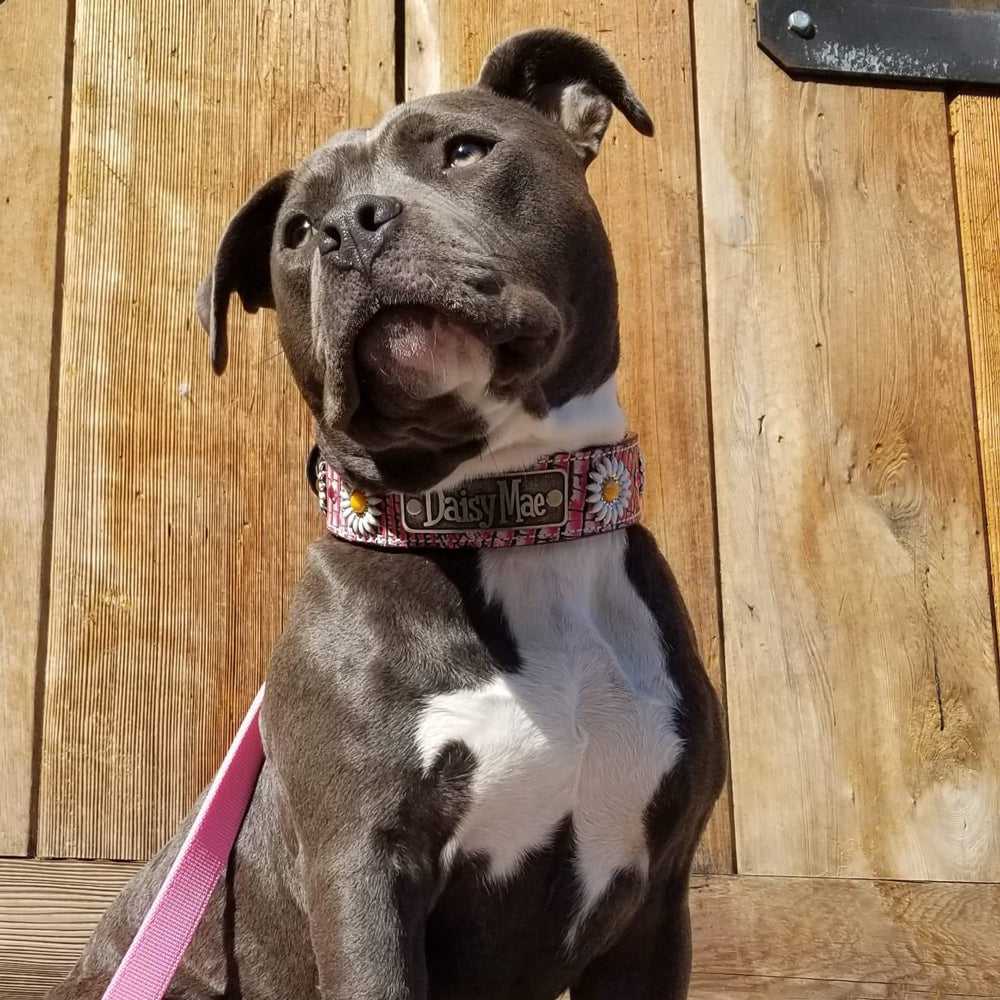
715 987
182 512
784 938
648 195
975 125
862 678
937 937
33 43
48 910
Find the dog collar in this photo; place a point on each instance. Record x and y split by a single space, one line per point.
566 495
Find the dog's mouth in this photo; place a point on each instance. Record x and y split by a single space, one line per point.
422 351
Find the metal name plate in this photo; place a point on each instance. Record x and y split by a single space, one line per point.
513 500
937 41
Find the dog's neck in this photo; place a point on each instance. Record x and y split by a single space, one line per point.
567 475
517 439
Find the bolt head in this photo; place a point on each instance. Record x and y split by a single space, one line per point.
800 22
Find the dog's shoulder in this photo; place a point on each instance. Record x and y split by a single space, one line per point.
371 627
349 592
369 635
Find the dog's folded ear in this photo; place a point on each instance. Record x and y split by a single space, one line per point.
242 265
567 77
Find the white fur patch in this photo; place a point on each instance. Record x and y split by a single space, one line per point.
516 439
585 729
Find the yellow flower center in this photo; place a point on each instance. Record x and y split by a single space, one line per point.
359 502
610 491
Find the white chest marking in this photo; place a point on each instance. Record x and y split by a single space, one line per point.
585 729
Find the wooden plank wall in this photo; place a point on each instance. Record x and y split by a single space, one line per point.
861 662
32 71
800 375
186 524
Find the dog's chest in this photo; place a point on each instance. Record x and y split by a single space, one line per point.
584 729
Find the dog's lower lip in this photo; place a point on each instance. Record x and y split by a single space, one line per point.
421 315
406 331
424 352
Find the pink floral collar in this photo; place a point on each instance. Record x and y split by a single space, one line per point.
564 496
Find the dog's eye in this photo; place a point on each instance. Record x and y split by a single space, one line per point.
464 152
297 230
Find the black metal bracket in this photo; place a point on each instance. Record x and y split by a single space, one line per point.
926 41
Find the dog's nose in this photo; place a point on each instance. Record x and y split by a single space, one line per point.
353 232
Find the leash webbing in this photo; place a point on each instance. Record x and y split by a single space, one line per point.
152 959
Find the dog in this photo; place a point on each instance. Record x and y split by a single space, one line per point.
487 768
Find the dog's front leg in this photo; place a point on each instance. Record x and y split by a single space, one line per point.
367 909
652 958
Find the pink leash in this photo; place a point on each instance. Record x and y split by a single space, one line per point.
152 959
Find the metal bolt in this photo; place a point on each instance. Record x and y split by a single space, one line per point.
801 23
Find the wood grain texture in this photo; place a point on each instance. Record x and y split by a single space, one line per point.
975 126
33 43
182 513
930 937
714 987
774 938
647 193
861 675
48 910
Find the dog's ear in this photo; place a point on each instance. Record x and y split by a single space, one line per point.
242 265
567 77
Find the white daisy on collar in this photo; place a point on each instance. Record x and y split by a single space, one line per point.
360 511
609 490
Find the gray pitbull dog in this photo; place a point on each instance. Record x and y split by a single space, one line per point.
487 769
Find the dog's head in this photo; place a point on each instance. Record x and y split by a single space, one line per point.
444 275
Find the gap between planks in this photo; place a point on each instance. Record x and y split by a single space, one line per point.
33 122
974 124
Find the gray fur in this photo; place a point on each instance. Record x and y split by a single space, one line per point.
335 888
